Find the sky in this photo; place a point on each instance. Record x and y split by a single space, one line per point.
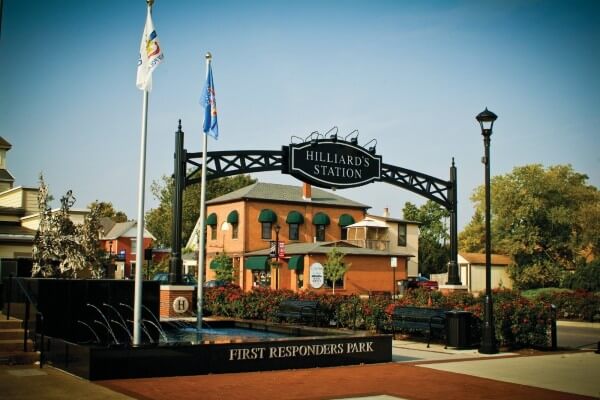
410 74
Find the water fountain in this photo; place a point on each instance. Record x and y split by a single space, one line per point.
88 333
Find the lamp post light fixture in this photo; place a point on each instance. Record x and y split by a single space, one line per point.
488 345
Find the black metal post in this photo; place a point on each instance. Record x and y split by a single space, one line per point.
277 228
488 340
26 325
453 275
176 264
394 282
553 331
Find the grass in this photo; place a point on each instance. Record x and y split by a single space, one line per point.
533 293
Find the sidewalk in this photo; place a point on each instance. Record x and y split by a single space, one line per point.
416 373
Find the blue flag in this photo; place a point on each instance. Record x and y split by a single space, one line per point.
209 103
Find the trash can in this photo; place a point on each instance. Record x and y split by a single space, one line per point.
458 329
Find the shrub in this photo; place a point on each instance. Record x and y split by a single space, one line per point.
519 322
585 277
579 305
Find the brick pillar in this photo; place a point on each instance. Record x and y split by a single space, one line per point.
176 301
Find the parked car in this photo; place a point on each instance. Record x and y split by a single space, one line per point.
217 283
186 279
421 281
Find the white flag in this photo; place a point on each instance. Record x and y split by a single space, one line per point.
150 55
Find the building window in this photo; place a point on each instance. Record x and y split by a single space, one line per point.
294 233
344 233
402 235
213 232
266 230
320 233
339 284
133 246
234 231
261 278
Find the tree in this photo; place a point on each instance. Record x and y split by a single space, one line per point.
106 209
61 248
546 219
159 220
224 270
434 252
334 267
93 255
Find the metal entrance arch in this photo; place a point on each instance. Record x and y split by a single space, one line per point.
221 164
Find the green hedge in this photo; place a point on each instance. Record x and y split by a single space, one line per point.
519 322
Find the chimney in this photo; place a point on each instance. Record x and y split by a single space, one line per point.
386 212
306 191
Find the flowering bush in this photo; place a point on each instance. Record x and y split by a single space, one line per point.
519 322
579 305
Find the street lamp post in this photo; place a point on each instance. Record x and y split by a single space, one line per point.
488 341
277 228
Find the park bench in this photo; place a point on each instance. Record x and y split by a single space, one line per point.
420 319
301 310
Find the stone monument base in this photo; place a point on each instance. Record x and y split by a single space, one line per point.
176 301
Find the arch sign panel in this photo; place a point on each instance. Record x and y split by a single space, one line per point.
333 163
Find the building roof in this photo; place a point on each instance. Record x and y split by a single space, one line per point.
120 229
390 219
479 258
6 176
285 193
4 144
368 223
14 232
11 228
325 247
15 211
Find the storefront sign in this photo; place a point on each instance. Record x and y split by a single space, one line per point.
333 164
317 278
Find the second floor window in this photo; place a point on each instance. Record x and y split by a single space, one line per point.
234 231
213 232
402 235
320 233
266 230
294 233
344 233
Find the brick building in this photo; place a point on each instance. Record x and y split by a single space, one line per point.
309 222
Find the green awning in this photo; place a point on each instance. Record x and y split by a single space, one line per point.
232 218
345 220
211 219
320 219
296 263
267 215
257 263
294 217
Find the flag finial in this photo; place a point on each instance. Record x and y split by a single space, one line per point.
208 56
150 2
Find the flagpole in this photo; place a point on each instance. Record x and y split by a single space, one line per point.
201 235
139 248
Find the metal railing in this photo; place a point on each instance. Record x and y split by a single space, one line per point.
39 323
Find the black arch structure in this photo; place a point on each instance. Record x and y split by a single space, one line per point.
221 164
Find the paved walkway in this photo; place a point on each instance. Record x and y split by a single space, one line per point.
416 373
